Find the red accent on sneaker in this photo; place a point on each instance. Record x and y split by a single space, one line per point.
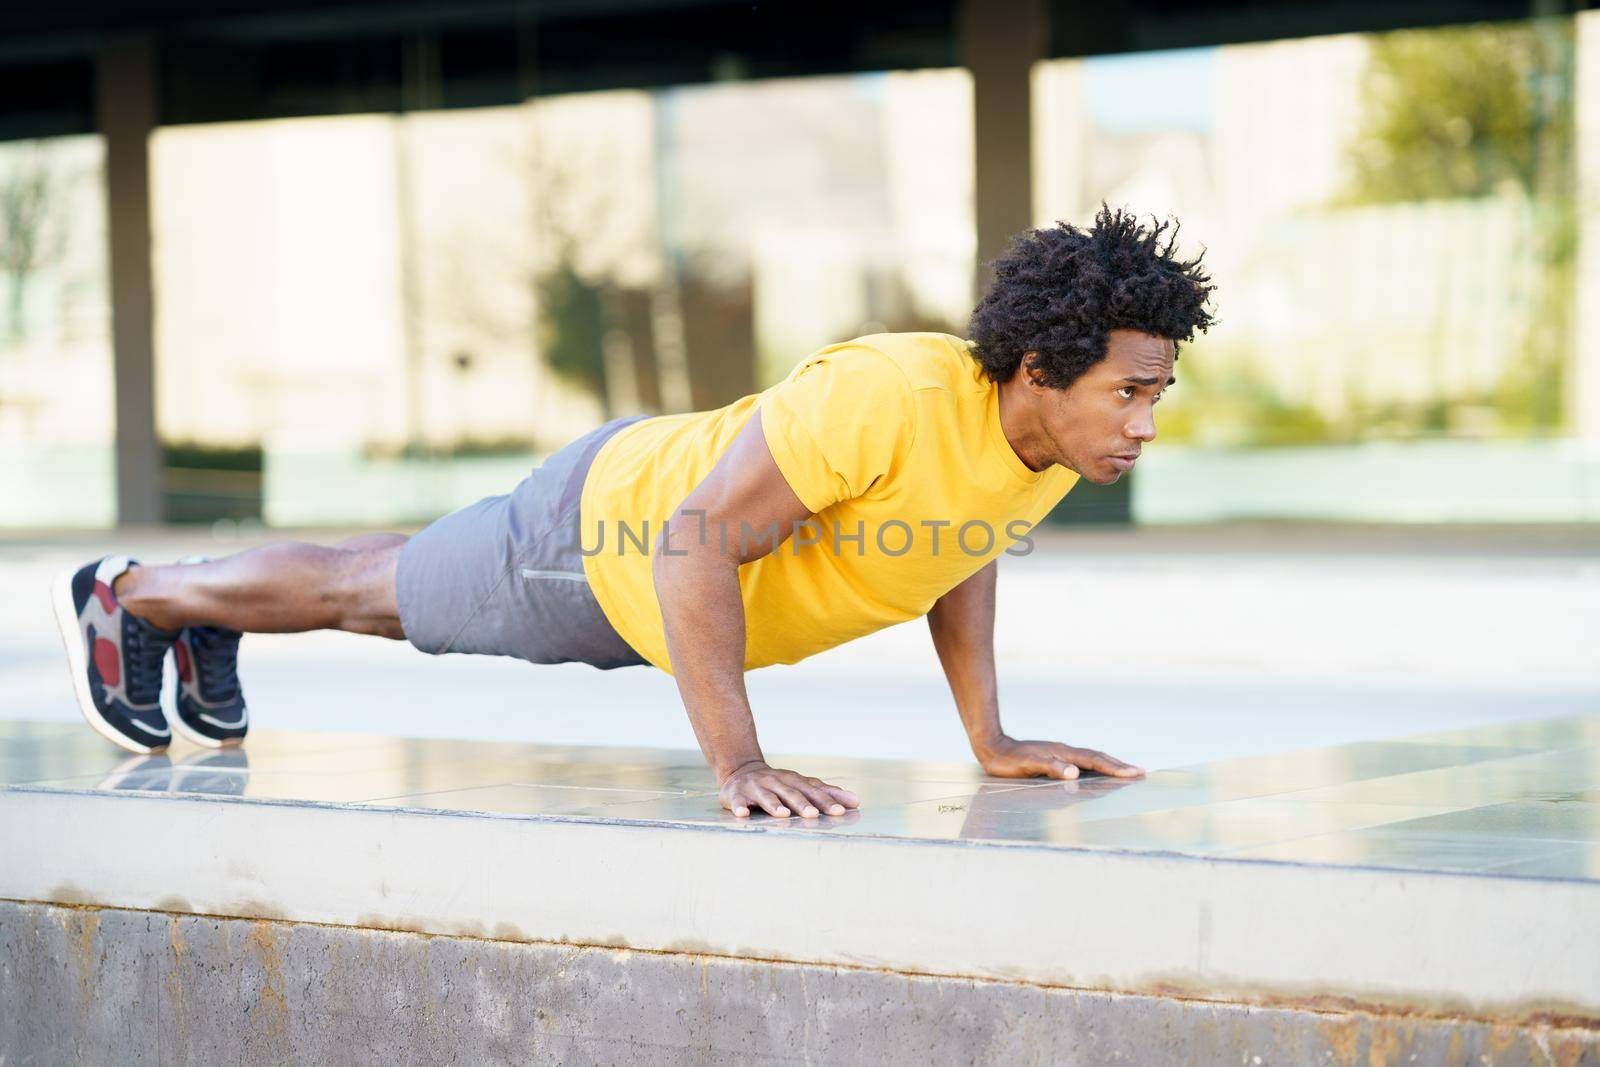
108 661
108 599
180 648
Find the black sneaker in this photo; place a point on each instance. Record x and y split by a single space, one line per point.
211 709
115 656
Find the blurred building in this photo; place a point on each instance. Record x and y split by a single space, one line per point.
342 263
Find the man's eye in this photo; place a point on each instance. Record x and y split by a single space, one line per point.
1157 399
1126 392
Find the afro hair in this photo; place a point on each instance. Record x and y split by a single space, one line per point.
1059 291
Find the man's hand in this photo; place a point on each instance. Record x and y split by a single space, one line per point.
1009 758
780 793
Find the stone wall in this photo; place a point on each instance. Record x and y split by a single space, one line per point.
93 985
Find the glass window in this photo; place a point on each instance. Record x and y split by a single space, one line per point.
396 315
1393 224
57 422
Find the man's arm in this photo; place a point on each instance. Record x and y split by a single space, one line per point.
962 625
696 569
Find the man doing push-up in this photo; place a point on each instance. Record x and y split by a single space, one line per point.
879 482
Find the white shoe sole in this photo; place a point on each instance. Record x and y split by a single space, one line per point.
77 659
180 728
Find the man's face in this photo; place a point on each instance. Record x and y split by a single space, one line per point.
1099 423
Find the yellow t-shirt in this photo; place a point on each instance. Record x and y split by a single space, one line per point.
888 436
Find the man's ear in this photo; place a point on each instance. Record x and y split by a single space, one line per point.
1031 374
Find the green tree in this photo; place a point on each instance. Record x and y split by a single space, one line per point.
28 239
1464 111
1476 111
572 326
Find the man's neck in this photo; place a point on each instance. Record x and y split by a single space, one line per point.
1019 421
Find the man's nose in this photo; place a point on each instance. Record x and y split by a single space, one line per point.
1142 428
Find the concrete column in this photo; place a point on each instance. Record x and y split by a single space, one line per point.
125 101
1000 41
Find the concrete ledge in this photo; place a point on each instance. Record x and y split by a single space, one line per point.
1381 481
1503 949
134 988
347 898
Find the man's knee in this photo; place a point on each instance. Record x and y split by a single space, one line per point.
364 590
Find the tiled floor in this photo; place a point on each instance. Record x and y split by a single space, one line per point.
1522 798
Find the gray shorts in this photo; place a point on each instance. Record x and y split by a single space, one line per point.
504 576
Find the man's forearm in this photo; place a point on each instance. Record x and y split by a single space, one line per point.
962 626
703 613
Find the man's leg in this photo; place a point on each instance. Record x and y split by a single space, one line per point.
287 587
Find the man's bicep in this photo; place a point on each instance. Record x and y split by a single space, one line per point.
749 506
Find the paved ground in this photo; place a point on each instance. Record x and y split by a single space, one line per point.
1165 647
